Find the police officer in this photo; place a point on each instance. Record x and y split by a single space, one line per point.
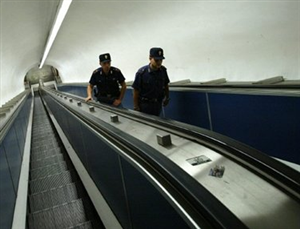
107 79
150 87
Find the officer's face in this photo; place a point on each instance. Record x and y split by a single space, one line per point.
105 66
155 63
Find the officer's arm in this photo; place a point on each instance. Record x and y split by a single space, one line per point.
167 98
122 92
89 92
118 101
136 99
167 91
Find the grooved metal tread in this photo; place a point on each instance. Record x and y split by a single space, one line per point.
44 154
57 198
53 197
54 159
45 147
86 225
40 142
49 182
62 216
48 170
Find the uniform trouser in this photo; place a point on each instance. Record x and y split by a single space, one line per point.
153 108
108 101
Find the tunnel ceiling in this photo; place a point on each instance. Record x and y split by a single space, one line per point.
236 40
35 74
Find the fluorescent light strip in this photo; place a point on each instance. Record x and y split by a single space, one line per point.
64 6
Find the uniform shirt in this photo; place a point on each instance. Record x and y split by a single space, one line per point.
151 83
107 84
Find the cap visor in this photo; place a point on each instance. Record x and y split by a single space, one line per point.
104 61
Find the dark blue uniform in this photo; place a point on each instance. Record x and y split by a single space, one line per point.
151 86
107 85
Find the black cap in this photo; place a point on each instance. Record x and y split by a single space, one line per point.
104 57
157 53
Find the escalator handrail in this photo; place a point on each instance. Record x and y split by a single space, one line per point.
283 176
197 198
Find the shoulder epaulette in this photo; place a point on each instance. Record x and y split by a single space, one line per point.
97 70
115 69
142 69
163 67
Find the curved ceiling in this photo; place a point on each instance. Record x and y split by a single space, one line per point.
237 40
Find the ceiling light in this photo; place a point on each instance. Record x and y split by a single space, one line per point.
61 13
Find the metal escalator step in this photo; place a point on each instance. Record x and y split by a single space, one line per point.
47 161
48 170
43 129
42 135
44 147
44 154
39 142
63 216
45 137
85 225
53 197
47 183
41 121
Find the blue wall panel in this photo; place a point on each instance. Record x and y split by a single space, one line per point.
188 107
128 100
268 123
7 193
76 90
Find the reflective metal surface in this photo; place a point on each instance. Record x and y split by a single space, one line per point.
258 203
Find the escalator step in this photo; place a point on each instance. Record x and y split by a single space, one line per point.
39 141
44 154
85 225
48 170
43 135
57 198
47 183
47 161
41 129
63 216
44 147
53 197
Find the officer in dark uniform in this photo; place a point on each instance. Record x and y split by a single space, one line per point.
150 87
107 79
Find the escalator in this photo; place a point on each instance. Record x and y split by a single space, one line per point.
57 198
134 180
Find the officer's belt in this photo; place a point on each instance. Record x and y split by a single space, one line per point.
106 95
148 100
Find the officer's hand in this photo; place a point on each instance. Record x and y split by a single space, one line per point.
117 102
88 98
166 102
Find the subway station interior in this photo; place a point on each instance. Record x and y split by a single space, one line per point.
224 153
